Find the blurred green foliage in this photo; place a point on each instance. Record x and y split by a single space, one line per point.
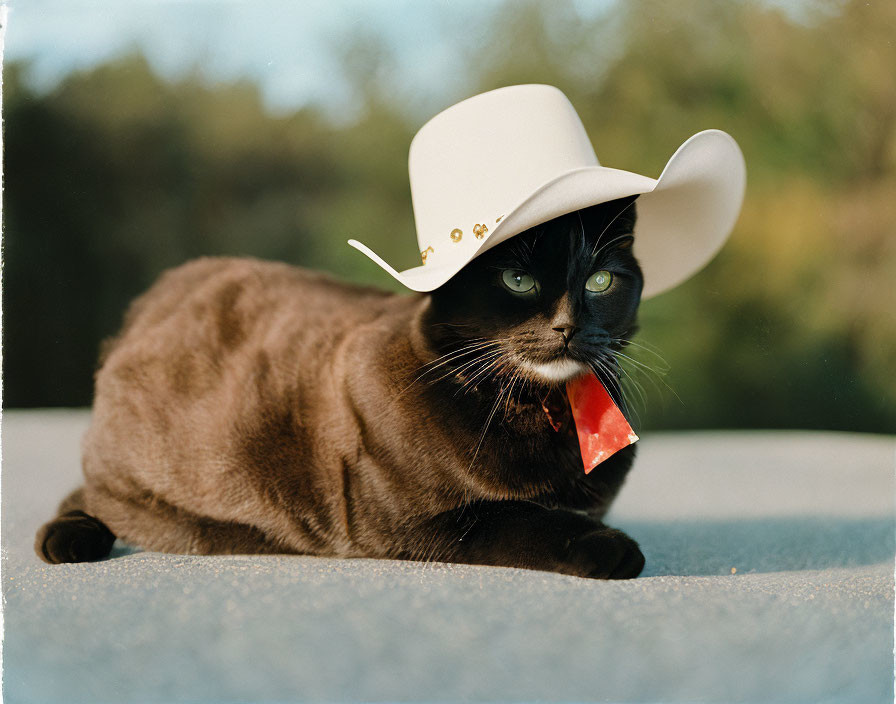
116 174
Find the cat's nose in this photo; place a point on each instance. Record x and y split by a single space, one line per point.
567 331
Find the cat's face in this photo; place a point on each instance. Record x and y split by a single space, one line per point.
547 305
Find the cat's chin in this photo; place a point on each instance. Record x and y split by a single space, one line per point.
556 371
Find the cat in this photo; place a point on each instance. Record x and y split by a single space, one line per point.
255 407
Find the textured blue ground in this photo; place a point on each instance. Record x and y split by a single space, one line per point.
806 520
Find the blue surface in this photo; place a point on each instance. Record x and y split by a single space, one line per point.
806 520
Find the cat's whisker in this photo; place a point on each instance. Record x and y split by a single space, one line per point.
609 367
648 350
483 358
608 376
627 380
464 346
491 363
632 370
447 358
513 381
632 407
649 372
460 352
600 372
609 225
482 374
637 362
608 243
574 246
645 372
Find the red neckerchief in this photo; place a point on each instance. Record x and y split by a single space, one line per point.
601 428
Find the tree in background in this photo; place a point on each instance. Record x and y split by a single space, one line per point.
116 175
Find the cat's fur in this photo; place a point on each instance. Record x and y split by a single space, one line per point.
253 407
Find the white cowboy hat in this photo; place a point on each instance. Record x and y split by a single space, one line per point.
502 162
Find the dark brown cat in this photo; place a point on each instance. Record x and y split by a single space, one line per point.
253 407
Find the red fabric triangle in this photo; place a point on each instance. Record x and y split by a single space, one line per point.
600 425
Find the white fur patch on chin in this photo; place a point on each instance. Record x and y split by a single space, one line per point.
558 370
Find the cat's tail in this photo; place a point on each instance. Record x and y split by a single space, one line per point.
73 536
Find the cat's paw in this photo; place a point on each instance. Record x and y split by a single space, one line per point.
605 553
73 537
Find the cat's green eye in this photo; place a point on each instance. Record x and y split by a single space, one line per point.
518 281
599 281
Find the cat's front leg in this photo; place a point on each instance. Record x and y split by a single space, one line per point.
528 535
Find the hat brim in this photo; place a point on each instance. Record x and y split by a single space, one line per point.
684 216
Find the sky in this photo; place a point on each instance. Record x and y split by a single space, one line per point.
288 47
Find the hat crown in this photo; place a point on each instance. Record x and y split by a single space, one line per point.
476 161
